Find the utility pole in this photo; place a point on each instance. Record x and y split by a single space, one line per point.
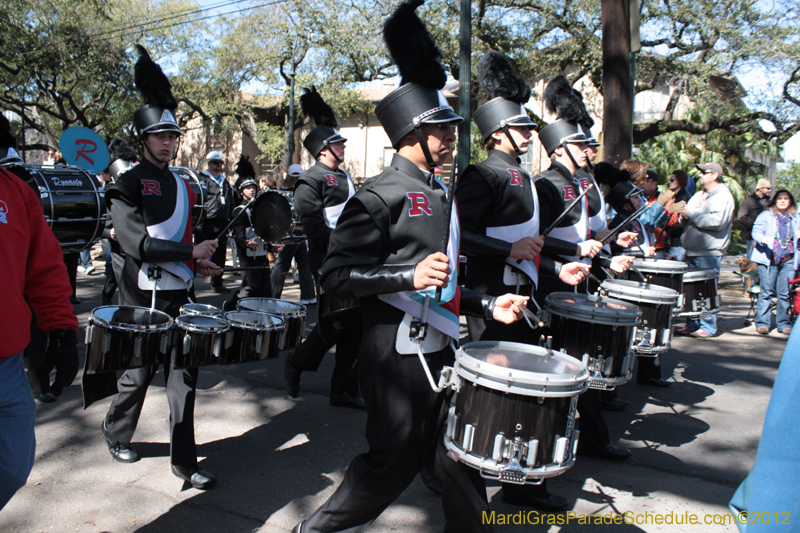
465 85
617 91
290 143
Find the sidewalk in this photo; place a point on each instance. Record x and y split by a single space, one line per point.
278 459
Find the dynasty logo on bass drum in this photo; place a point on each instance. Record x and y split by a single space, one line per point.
58 182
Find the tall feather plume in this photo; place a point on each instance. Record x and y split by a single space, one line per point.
245 168
498 77
315 107
412 49
560 99
7 139
152 83
120 149
587 121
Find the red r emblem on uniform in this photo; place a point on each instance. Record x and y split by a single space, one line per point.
151 187
420 205
569 192
584 183
516 176
331 179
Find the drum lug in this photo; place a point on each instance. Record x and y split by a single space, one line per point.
560 450
499 447
106 341
469 434
575 442
164 343
608 366
533 449
137 347
259 342
187 343
218 347
452 422
229 339
89 332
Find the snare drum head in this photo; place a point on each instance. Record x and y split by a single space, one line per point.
514 367
130 317
202 323
660 266
201 309
254 320
700 274
640 292
591 308
272 306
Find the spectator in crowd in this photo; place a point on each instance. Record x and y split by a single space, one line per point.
668 241
750 208
775 234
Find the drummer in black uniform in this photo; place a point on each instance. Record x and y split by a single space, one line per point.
384 250
151 208
220 201
497 205
319 198
564 140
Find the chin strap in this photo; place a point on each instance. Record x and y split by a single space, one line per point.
424 144
504 126
574 163
326 146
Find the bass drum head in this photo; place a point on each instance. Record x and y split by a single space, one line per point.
194 183
521 369
130 318
272 216
591 308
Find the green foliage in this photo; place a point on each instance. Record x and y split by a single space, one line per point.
789 179
270 140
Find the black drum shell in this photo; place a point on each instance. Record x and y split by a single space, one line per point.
492 411
120 354
245 340
194 347
73 204
700 289
576 338
293 315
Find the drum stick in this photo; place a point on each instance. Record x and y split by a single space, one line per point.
624 223
451 190
569 208
234 219
244 269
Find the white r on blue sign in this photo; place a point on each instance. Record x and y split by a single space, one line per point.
84 148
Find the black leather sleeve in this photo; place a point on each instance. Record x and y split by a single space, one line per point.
161 250
553 246
475 303
369 281
549 266
488 247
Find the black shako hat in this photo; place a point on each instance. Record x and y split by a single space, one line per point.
158 113
325 133
560 98
419 99
123 157
508 93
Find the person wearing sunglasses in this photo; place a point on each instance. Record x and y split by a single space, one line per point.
751 207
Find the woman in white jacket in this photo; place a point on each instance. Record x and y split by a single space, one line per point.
775 234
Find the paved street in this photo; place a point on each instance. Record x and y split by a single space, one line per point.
277 459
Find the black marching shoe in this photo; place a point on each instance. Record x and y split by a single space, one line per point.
291 377
47 397
617 404
607 451
552 504
197 478
345 399
119 452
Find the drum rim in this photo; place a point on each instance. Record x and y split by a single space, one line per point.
275 326
660 266
217 310
299 309
180 322
696 273
628 288
124 326
518 381
631 316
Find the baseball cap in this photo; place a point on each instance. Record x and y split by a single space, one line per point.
294 170
713 167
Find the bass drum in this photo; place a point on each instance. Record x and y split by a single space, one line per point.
272 216
191 178
296 234
73 204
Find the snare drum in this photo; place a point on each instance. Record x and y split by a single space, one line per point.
254 337
513 414
654 335
200 340
125 337
201 309
662 272
701 293
293 315
194 183
73 204
599 327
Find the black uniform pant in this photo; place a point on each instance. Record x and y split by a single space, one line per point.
342 330
298 251
126 406
404 432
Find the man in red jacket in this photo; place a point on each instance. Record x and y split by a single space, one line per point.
32 268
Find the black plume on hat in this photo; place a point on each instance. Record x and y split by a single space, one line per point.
315 107
498 77
120 149
560 99
244 167
152 83
412 48
7 139
608 174
587 121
